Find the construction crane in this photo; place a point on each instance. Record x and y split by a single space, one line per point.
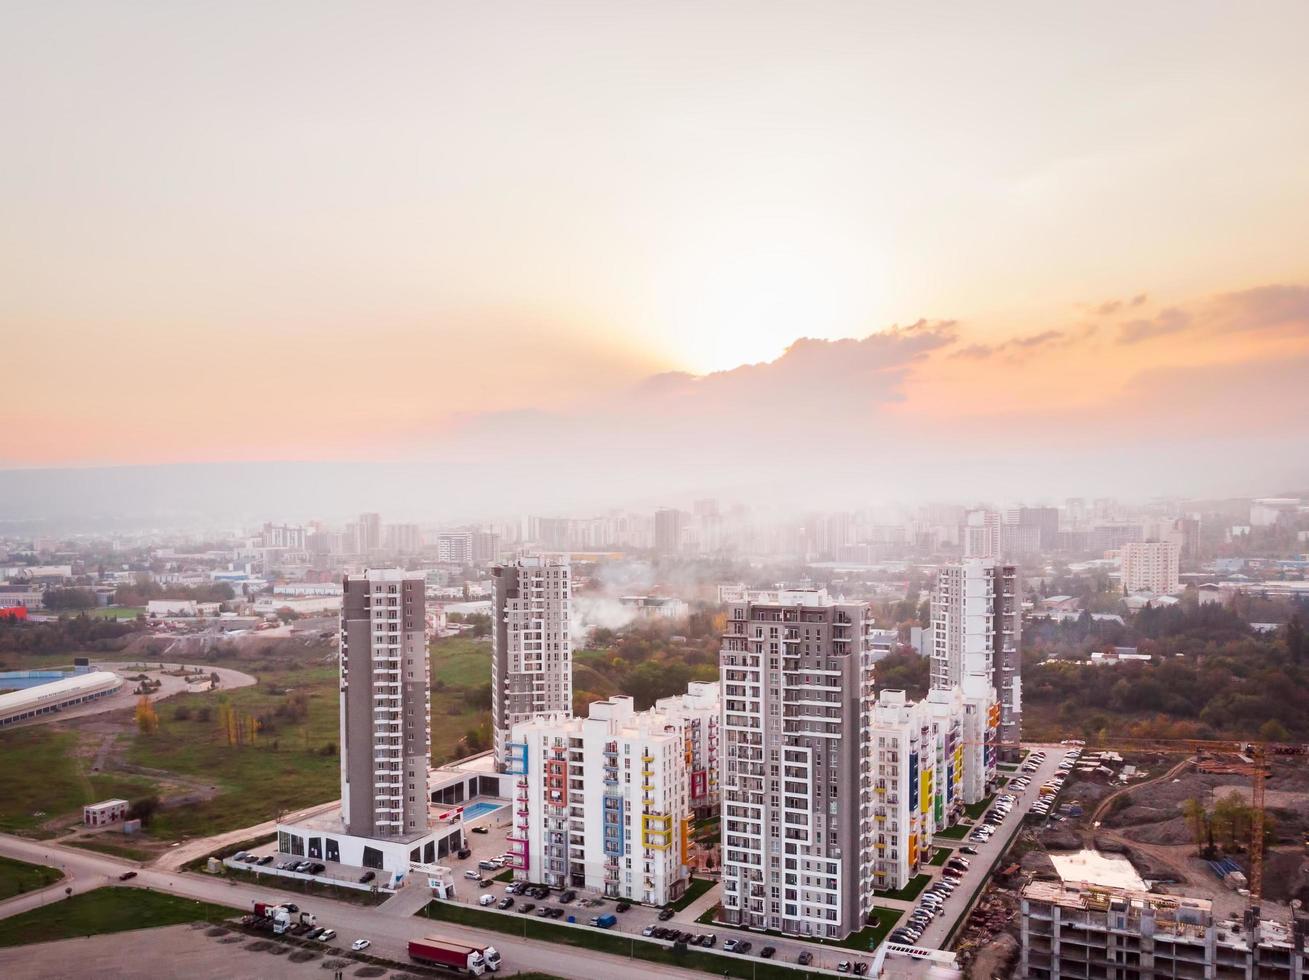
1257 769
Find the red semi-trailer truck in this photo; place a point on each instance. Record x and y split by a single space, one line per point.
459 957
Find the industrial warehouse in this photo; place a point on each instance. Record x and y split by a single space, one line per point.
57 695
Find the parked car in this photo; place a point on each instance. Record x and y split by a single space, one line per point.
366 877
480 830
567 897
472 876
666 914
464 853
316 933
127 876
359 945
526 907
731 945
768 952
489 865
861 969
843 966
486 900
967 850
805 958
326 935
485 883
505 903
622 906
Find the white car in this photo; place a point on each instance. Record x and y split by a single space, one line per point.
472 876
326 935
486 900
360 944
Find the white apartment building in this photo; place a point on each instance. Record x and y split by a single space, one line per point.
796 675
698 713
385 705
1151 566
924 774
601 802
976 635
531 661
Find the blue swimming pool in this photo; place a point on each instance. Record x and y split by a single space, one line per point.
480 809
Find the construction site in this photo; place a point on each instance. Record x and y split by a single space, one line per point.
1226 824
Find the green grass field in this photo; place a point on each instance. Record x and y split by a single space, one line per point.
694 890
459 661
975 810
44 779
957 832
19 877
286 768
941 855
41 777
910 891
105 910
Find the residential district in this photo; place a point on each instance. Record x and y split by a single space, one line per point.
851 788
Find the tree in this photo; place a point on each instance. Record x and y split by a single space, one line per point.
1233 816
1296 644
143 809
1274 731
147 719
1197 819
69 599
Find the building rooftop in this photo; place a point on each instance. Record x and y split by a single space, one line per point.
1093 868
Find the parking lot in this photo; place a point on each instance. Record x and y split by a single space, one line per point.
985 850
945 901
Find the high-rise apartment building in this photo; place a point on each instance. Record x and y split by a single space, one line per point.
403 539
1152 566
796 679
976 636
602 802
369 533
1046 519
979 535
385 704
668 531
469 547
531 653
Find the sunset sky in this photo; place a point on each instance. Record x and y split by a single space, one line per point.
1007 249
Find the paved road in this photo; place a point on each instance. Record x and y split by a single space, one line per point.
934 936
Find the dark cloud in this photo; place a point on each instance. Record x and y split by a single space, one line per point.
1164 322
1263 306
977 352
1260 308
1112 306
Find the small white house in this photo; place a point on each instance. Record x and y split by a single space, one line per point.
104 813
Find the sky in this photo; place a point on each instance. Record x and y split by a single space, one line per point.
1021 250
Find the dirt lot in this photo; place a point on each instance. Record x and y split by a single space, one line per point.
209 953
